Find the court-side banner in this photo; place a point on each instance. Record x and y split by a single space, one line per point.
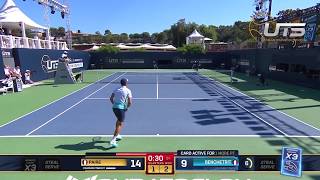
311 28
43 63
149 59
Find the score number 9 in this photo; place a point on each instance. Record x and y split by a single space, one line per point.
184 163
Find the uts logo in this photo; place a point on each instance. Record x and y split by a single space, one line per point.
113 61
181 60
273 30
49 65
6 53
297 30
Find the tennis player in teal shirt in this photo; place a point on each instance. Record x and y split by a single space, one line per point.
121 98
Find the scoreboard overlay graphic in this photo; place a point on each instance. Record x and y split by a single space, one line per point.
154 163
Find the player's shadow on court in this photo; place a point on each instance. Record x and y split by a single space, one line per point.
85 146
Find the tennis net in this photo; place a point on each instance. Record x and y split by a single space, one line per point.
161 77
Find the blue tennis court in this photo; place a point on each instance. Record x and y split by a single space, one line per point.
164 103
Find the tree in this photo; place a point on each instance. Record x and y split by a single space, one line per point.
124 37
61 32
191 27
287 12
108 49
175 35
178 32
57 32
53 32
224 33
191 48
29 33
107 32
115 38
145 37
162 37
154 37
136 38
209 32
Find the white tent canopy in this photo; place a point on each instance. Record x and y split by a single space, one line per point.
11 17
195 34
195 38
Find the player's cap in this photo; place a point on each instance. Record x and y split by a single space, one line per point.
65 52
124 81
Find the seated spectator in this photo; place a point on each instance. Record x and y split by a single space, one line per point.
17 72
13 73
2 31
27 76
7 71
7 81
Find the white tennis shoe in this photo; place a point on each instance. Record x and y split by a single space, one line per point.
119 137
113 143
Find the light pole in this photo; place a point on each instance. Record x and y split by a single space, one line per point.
269 10
55 5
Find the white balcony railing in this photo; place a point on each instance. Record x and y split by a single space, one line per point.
9 42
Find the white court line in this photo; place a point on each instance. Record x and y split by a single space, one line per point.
267 105
72 106
158 98
155 135
148 75
157 86
157 70
53 102
248 110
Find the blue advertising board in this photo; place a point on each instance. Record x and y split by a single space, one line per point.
43 62
311 28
